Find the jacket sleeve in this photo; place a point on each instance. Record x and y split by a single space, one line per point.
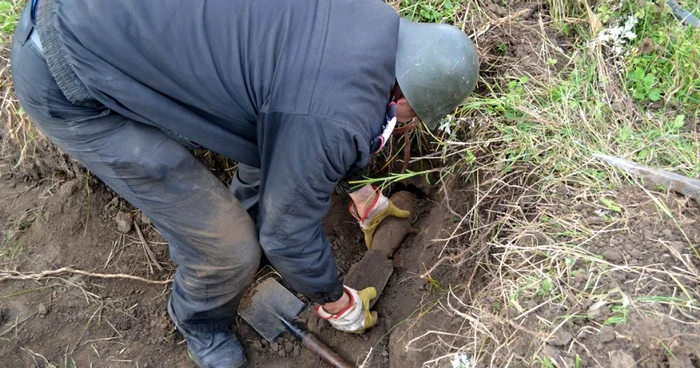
302 159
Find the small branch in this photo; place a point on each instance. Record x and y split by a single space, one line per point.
15 275
147 248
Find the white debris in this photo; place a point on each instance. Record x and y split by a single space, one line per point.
446 124
618 36
461 360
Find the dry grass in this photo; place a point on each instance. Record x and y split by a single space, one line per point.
523 145
20 137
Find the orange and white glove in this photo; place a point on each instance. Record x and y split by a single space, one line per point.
356 318
380 210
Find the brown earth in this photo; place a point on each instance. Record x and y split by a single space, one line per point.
635 306
80 320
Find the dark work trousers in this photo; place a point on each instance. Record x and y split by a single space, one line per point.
212 238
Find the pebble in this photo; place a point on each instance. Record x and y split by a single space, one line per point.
281 353
621 359
144 219
296 352
612 255
274 346
678 246
42 310
288 347
636 253
561 338
124 222
257 345
606 334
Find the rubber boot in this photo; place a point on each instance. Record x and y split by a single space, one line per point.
212 350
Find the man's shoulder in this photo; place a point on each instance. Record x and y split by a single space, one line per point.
356 72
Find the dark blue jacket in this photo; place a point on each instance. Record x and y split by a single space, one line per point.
297 88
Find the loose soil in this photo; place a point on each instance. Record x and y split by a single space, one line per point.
87 321
635 306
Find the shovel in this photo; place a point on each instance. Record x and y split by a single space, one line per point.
271 309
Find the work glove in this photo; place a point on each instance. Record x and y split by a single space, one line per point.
356 318
381 209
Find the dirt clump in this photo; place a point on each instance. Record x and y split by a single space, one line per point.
124 222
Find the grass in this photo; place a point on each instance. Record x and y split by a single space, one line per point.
529 133
9 15
24 143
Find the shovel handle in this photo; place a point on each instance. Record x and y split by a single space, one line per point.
317 346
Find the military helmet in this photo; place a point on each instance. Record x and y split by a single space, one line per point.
436 68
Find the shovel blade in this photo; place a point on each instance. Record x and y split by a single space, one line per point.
270 301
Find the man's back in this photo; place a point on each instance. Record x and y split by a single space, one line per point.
207 70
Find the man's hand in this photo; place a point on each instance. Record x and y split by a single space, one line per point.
355 317
370 207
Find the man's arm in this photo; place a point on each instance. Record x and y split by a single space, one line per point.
302 159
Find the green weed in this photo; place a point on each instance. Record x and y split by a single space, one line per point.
619 316
9 15
433 11
10 248
546 288
546 362
661 61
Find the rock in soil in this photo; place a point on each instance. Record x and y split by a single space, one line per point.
613 255
680 361
288 347
41 309
561 338
68 188
124 222
274 346
620 359
606 334
144 219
